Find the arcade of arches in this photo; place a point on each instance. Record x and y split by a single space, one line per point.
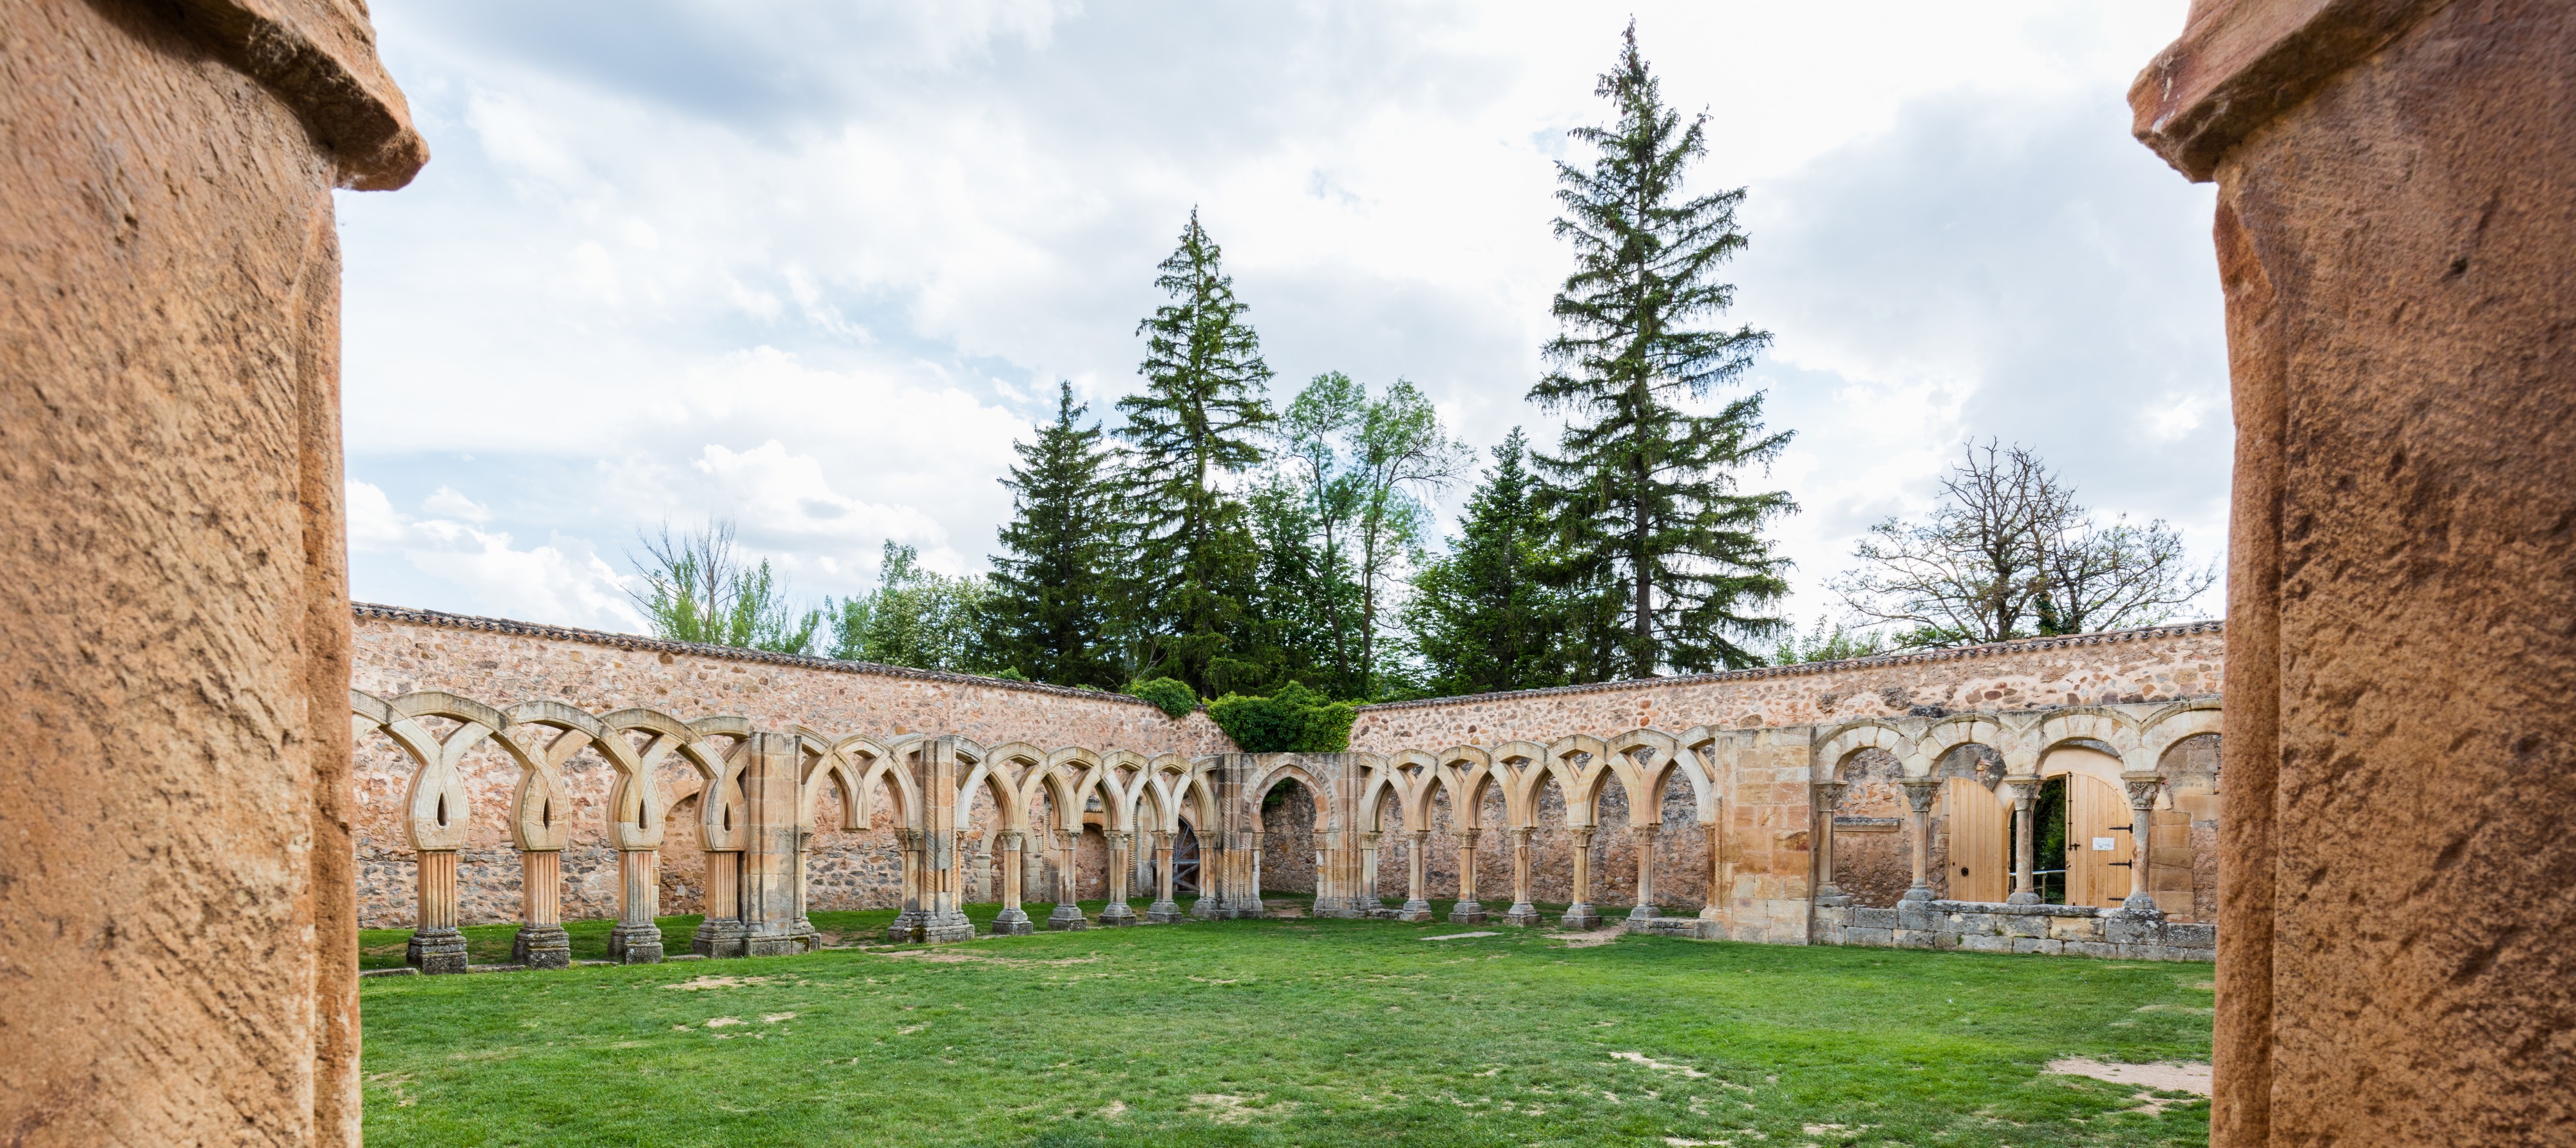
752 788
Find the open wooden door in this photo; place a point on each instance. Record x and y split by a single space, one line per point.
1980 841
2097 842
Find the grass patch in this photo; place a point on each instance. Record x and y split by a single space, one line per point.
1303 1032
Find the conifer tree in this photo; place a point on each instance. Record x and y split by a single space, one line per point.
1048 606
1643 493
1198 420
1481 618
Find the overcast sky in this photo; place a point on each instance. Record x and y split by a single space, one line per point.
814 267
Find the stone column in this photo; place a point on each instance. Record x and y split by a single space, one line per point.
1416 906
720 933
1164 910
637 938
541 943
906 928
1117 911
941 881
1467 911
1581 914
1645 910
2143 790
1068 914
1714 908
436 946
1522 911
1367 902
1826 795
1012 921
2025 872
1919 794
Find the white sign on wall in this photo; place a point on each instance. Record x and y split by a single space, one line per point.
2103 844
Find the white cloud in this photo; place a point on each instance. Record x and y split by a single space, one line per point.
815 268
563 581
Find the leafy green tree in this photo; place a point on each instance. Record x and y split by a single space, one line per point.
1482 618
1642 487
698 589
1196 422
1052 593
1292 719
1836 643
915 617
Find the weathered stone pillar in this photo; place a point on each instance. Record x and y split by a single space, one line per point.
636 939
943 920
2025 870
1467 911
1826 796
1581 914
2143 790
2399 260
1368 903
1714 909
906 928
1068 912
541 942
1164 910
436 945
721 932
1522 911
1012 921
1118 912
1417 907
1919 795
772 904
1645 910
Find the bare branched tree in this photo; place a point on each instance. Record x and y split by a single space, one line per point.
2009 553
698 589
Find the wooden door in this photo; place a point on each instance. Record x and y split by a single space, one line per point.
2097 842
1980 826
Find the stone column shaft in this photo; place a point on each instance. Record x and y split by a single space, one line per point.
1522 911
436 946
1068 914
1581 914
1919 794
1164 910
1467 911
1645 910
542 942
1117 911
2142 810
637 938
1417 905
2025 874
1827 795
1012 920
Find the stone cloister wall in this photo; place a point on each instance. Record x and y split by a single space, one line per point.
1730 805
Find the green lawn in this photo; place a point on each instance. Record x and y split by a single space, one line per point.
1298 1032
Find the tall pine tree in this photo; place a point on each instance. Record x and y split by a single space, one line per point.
1481 617
1049 608
1198 420
1643 492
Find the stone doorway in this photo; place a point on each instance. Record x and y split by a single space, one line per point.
1185 861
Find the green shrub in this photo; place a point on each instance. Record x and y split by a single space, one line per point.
1293 720
1009 675
1174 696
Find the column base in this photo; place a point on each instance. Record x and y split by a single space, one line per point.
906 928
1523 913
2015 899
945 928
721 937
1467 913
635 944
1579 916
1067 919
542 947
436 952
1644 913
786 941
1116 914
2142 906
1163 913
1012 922
1415 910
1917 893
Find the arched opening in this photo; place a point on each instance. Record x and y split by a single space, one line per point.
1289 854
1185 861
2083 827
1873 857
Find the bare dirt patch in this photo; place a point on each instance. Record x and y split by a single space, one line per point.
1589 940
2191 1077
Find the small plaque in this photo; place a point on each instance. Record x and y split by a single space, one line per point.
2103 844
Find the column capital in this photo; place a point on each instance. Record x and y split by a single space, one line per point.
1469 836
2025 790
1010 839
2143 789
1920 792
1521 833
1420 834
1648 830
1583 834
1829 792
